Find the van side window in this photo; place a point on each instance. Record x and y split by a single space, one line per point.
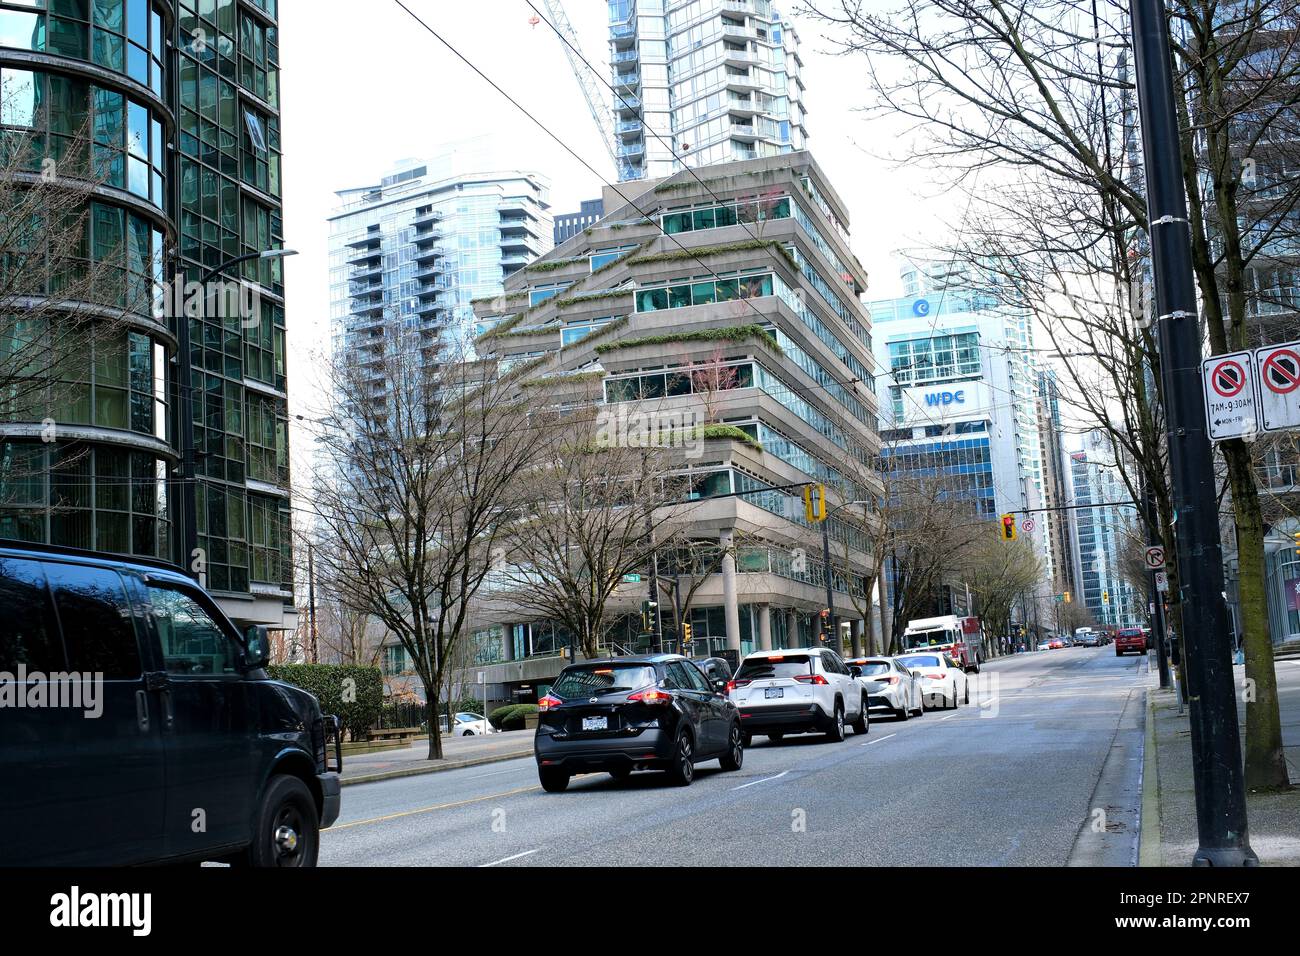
28 636
192 642
96 618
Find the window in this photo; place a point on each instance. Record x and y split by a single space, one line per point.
96 617
193 644
28 637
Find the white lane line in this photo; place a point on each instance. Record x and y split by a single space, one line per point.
949 717
507 859
878 740
495 773
764 780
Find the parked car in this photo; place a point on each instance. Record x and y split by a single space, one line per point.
1056 643
470 725
1130 640
890 686
187 719
644 712
715 669
943 680
797 692
1045 645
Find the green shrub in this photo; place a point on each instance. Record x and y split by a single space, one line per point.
331 683
511 716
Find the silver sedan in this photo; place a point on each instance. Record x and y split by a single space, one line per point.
890 686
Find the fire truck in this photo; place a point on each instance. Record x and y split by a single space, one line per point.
961 637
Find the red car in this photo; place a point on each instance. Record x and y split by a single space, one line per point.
1130 639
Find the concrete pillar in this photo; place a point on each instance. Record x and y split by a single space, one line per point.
508 642
791 628
731 606
855 630
765 627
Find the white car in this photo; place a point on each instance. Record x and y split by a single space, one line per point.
797 691
943 682
470 725
890 686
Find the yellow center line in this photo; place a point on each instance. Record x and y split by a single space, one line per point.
441 806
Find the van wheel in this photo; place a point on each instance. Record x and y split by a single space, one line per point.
553 779
287 827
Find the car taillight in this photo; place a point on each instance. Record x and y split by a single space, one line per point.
549 703
893 679
934 677
651 695
811 679
739 682
732 685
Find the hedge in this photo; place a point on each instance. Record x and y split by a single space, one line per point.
511 716
327 682
746 245
734 333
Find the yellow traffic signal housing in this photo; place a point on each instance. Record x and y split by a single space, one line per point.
1067 597
1009 528
1105 597
686 633
814 503
1297 542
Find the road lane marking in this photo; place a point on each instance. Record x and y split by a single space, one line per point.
441 806
878 740
495 773
949 717
764 780
507 859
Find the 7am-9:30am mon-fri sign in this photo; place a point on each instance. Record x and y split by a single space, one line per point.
1231 405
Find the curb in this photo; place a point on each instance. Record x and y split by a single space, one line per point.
439 767
1150 852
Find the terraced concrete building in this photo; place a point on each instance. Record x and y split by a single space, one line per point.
733 302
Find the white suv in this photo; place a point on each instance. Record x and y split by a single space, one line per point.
797 691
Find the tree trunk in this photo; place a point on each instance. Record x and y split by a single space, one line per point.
1265 760
435 735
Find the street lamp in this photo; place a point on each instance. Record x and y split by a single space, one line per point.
184 382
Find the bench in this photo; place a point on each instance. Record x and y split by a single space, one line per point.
393 733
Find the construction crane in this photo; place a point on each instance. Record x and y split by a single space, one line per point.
597 96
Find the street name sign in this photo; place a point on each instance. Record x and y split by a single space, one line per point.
1231 406
1278 371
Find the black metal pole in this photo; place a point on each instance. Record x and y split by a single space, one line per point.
1216 746
830 597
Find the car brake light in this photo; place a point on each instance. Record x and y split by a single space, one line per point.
549 703
810 679
732 685
651 695
739 682
934 677
892 679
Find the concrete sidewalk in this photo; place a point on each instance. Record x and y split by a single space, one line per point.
457 752
1169 835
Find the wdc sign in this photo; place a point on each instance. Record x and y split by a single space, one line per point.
940 399
940 404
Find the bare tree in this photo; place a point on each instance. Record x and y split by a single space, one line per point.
422 457
998 574
602 498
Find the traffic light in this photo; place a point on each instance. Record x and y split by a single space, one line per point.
1297 542
647 615
686 633
814 503
1008 527
1105 597
1067 597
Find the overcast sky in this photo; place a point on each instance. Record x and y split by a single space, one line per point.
363 85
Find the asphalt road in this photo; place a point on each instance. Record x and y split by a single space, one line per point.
1021 778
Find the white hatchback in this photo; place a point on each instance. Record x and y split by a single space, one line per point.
943 681
797 691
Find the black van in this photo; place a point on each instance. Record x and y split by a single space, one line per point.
137 725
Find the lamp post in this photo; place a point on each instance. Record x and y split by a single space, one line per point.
189 498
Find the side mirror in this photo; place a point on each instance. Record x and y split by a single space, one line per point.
855 671
259 646
720 686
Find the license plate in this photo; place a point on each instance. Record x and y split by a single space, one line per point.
771 692
595 723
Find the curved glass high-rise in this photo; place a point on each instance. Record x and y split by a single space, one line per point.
163 116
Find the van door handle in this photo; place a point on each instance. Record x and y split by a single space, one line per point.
142 710
168 716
